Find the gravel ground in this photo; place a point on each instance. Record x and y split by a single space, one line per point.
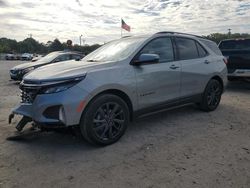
177 148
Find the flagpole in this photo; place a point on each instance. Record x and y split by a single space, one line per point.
121 27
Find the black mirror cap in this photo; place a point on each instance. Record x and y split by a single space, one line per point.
146 59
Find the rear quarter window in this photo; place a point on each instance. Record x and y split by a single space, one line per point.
212 46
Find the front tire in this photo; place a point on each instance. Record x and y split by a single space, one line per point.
105 120
211 96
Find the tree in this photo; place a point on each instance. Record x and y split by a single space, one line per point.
56 45
217 37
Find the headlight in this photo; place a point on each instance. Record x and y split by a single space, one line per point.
60 86
24 71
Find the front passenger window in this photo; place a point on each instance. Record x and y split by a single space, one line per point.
162 47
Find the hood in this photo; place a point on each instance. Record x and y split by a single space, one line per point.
62 71
28 65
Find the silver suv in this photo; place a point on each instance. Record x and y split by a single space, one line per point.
122 80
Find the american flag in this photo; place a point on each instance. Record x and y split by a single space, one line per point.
125 26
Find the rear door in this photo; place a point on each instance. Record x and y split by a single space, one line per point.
195 66
158 82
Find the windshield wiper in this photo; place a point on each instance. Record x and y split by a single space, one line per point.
92 60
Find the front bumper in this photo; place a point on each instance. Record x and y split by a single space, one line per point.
240 73
66 102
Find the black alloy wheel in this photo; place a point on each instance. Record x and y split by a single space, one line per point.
211 96
108 121
105 119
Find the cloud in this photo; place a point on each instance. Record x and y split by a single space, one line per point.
28 4
78 2
99 20
3 3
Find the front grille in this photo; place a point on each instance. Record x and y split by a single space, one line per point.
28 93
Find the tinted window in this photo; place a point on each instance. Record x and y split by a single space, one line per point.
212 45
75 56
241 44
162 47
201 50
187 48
63 58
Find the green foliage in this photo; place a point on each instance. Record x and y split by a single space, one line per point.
30 45
56 45
217 37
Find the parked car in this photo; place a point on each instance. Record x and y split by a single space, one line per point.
237 52
26 57
10 56
36 58
17 72
122 80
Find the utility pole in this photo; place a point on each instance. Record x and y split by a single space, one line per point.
229 32
80 39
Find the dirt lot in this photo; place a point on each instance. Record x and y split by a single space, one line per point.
178 148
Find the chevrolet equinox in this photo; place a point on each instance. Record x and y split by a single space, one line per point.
121 80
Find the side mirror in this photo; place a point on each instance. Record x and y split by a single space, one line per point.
147 58
56 60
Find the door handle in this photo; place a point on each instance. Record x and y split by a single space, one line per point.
174 67
206 62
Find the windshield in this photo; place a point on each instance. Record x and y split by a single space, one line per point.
51 56
241 44
115 50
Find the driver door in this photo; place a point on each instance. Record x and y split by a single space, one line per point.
158 83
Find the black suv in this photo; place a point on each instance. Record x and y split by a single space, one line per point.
237 51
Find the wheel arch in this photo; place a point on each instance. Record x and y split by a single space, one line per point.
118 93
219 79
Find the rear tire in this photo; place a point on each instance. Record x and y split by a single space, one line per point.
105 120
211 96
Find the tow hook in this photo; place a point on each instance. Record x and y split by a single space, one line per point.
21 123
11 116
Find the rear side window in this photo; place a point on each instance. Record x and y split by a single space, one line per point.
187 48
202 52
240 44
212 45
162 47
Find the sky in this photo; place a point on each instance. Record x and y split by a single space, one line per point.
99 21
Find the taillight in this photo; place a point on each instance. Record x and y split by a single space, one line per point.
225 60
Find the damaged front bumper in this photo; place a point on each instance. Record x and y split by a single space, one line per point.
52 110
21 124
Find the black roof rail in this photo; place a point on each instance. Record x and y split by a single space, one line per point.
126 36
172 32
